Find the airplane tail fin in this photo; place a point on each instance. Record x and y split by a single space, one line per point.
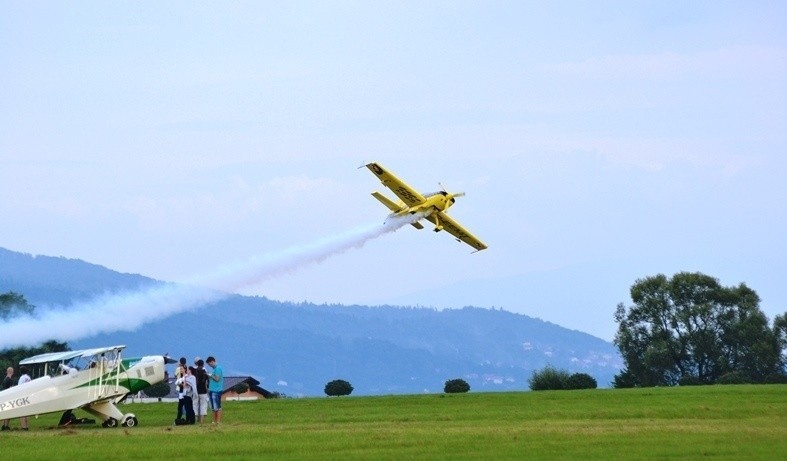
393 206
387 202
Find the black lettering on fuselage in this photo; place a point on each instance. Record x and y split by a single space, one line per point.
409 196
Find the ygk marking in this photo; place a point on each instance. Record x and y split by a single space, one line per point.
11 404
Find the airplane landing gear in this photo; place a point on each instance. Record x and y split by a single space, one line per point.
111 416
129 420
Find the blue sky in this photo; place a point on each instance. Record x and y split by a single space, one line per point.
597 142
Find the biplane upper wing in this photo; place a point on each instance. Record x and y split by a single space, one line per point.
407 194
68 355
453 228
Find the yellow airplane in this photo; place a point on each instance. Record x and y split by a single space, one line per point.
434 206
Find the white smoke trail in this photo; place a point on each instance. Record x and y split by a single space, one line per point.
129 311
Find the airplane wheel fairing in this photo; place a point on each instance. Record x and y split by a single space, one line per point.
131 421
111 422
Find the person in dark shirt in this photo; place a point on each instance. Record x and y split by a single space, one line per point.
201 399
8 381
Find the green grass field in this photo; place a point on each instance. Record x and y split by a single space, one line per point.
720 422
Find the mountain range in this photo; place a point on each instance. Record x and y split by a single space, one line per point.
296 348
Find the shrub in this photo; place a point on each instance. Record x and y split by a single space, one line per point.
159 390
775 378
733 377
241 388
338 387
548 378
689 380
456 386
581 381
624 380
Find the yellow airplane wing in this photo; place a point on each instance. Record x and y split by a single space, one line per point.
407 194
453 228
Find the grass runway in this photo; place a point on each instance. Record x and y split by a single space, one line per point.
712 422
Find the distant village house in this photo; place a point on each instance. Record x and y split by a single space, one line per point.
255 392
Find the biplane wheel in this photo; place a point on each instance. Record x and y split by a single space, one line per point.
110 422
131 421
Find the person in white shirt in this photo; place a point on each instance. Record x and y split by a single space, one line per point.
191 385
188 384
66 370
24 378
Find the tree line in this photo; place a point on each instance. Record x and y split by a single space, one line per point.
12 305
680 330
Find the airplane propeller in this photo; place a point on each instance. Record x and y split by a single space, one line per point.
457 194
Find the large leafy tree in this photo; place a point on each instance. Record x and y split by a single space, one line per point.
780 330
690 327
11 305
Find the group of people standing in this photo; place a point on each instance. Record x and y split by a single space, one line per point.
197 388
8 381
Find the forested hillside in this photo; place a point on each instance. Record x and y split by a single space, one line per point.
297 348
